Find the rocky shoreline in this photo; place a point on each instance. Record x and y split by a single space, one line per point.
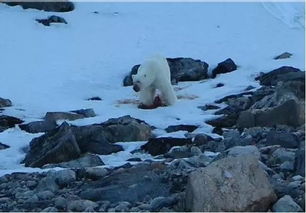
257 165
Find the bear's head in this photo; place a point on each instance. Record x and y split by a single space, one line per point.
143 79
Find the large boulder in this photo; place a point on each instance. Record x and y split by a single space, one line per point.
53 6
55 146
182 69
230 184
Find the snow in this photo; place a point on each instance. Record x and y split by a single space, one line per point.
57 68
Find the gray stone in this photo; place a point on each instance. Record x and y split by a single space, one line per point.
283 56
47 183
230 184
244 150
80 205
86 112
55 116
284 139
96 173
298 178
38 126
178 152
122 207
60 203
287 166
88 160
64 177
45 195
159 202
286 204
281 155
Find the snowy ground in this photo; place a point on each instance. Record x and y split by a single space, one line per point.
57 68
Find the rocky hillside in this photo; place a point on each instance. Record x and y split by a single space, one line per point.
257 165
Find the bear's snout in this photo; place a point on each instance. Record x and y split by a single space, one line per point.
136 88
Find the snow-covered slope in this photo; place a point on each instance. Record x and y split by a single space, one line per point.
57 68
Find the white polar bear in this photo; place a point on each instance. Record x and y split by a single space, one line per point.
154 74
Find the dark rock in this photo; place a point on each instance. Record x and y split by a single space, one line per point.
249 88
51 19
3 146
300 162
284 139
5 102
86 112
187 69
284 73
38 126
60 6
56 146
219 85
157 146
131 185
134 159
174 128
224 67
226 98
208 107
283 56
201 139
7 122
224 121
217 130
47 183
93 139
95 98
181 69
88 160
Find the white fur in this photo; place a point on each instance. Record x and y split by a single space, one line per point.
154 74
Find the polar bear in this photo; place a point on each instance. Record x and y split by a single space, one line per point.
152 75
